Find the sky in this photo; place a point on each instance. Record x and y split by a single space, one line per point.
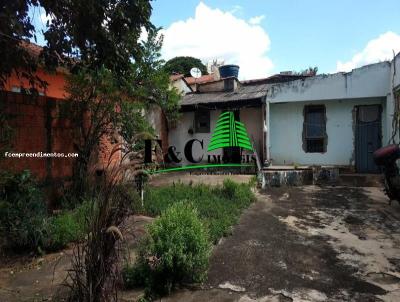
265 37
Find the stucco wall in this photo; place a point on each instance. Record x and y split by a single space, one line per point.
286 124
365 82
179 136
55 88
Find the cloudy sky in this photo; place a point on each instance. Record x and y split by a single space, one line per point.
268 36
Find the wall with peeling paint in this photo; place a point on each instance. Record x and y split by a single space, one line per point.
286 124
396 70
365 82
340 93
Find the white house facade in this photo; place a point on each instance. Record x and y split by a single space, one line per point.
332 120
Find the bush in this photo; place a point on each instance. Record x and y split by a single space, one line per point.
135 276
67 227
176 250
219 207
22 211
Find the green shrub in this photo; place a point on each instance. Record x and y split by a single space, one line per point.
22 211
218 206
176 250
67 227
136 275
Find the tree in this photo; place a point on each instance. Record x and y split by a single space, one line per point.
182 65
81 33
103 105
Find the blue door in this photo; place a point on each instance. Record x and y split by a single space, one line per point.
368 137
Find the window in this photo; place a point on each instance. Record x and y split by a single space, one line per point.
202 121
314 129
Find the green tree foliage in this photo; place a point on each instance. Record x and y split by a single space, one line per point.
182 65
22 211
97 33
16 26
115 106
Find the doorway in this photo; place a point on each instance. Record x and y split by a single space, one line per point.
368 137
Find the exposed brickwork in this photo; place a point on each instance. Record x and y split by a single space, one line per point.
37 128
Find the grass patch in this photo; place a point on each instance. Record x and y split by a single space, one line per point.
66 227
219 207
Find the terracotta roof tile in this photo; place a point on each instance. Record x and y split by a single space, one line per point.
203 79
32 48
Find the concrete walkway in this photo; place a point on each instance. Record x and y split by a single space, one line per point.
308 244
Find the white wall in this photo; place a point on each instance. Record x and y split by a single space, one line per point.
365 82
181 86
394 84
179 136
396 70
286 124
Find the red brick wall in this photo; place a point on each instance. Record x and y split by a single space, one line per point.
37 128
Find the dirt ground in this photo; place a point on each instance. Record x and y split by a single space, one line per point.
294 244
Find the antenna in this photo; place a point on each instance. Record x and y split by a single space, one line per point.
195 72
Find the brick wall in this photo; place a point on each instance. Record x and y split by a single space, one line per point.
37 128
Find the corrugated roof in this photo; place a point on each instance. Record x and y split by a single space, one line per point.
244 92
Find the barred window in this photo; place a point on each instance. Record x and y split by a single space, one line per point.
314 129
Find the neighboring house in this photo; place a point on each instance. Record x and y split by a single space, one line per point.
333 120
38 126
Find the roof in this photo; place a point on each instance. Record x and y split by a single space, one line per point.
276 78
33 49
243 93
175 77
248 91
203 79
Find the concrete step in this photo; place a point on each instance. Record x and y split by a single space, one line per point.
325 176
361 180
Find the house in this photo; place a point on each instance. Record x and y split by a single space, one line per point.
201 108
333 120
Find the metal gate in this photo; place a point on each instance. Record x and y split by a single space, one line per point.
367 137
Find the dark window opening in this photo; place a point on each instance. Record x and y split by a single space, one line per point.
202 121
314 129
